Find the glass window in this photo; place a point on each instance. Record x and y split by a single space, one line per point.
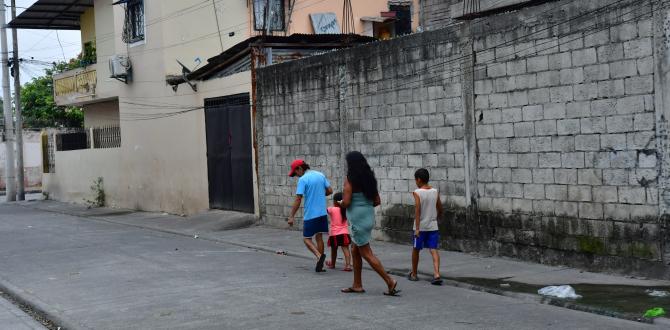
276 15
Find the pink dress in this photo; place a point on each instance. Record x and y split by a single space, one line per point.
338 226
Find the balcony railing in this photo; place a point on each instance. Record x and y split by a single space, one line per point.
75 86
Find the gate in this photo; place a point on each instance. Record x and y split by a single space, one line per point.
229 153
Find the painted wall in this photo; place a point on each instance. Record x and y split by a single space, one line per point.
88 26
32 161
101 114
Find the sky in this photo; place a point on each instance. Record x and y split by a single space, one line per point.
41 45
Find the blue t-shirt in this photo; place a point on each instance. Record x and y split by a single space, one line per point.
312 186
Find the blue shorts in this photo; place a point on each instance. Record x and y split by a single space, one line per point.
427 239
313 226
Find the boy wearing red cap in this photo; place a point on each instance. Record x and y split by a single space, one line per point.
314 187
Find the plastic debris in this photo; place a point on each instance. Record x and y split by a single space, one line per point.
195 236
504 285
657 293
559 291
282 252
654 312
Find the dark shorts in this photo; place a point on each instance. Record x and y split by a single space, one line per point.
339 240
313 226
427 239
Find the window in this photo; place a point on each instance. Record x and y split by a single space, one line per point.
276 15
133 30
403 24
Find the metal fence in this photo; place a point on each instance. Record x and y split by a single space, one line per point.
89 138
72 140
106 137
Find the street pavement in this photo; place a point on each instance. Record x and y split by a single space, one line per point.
11 317
91 274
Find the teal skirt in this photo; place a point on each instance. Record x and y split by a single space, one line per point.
361 219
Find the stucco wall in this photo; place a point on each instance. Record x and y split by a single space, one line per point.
101 114
32 160
557 101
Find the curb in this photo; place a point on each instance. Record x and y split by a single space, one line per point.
396 272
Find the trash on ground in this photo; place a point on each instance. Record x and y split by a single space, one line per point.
195 236
657 293
282 252
559 291
654 312
504 285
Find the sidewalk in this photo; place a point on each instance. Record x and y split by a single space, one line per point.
11 317
460 269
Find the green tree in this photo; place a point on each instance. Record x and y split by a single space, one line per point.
38 106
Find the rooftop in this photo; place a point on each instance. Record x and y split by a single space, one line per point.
52 15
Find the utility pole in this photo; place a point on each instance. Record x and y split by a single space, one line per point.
10 178
20 188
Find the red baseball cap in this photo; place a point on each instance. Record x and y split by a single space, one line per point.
295 165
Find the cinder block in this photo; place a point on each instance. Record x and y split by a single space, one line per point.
554 111
494 189
605 194
623 69
498 100
568 209
632 195
603 107
543 207
550 160
630 104
507 160
567 126
557 192
511 115
591 210
623 32
483 131
572 160
639 85
561 94
503 130
590 176
583 92
504 84
617 211
518 98
641 140
611 88
533 191
560 60
538 96
526 81
500 145
455 174
579 193
538 63
613 141
524 129
643 176
572 76
647 161
545 127
522 205
597 160
528 160
615 177
540 144
584 57
485 175
543 175
520 145
548 78
618 124
502 174
491 116
563 143
596 72
596 39
483 87
495 70
513 190
645 65
610 52
638 48
565 176
623 159
522 175
488 160
578 109
589 142
516 67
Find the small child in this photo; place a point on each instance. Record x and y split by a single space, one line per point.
428 208
338 235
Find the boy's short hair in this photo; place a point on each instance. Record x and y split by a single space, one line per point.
422 174
337 196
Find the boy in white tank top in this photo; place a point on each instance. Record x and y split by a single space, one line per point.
428 208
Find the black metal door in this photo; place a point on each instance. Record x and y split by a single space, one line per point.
229 159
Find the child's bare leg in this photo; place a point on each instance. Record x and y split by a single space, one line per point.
347 257
436 263
415 261
333 255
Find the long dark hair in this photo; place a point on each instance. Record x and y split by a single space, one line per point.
360 175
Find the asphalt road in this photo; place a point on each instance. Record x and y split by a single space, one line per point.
96 275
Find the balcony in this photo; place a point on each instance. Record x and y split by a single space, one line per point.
76 87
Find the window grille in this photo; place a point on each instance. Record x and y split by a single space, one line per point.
133 30
276 15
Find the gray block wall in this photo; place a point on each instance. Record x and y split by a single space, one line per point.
564 122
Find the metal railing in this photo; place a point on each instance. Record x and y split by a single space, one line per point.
81 82
106 137
89 138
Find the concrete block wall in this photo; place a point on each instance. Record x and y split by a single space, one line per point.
565 122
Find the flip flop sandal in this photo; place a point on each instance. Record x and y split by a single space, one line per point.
412 278
393 292
351 290
330 264
319 264
347 269
436 281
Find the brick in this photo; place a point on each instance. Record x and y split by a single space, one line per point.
565 176
498 101
518 98
522 205
639 85
568 126
533 191
554 111
597 160
507 160
613 141
572 160
549 160
504 84
528 160
560 60
572 76
611 88
584 57
545 127
491 116
483 131
561 94
488 160
616 177
640 140
516 67
579 193
598 38
618 124
513 190
485 175
543 175
496 70
589 176
596 72
537 63
645 65
556 192
622 69
591 210
647 161
521 175
623 159
585 92
502 174
603 107
605 194
493 190
578 109
526 81
511 115
540 144
519 145
624 32
592 125
643 177
587 142
637 48
617 211
543 207
538 96
610 52
524 129
563 143
568 209
630 195
504 130
630 104
500 145
532 112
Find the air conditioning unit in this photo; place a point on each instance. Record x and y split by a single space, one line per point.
120 68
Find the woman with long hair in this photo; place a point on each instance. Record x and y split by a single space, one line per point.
360 197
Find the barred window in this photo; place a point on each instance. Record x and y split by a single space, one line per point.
276 15
133 30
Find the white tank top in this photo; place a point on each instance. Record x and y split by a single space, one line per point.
428 220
